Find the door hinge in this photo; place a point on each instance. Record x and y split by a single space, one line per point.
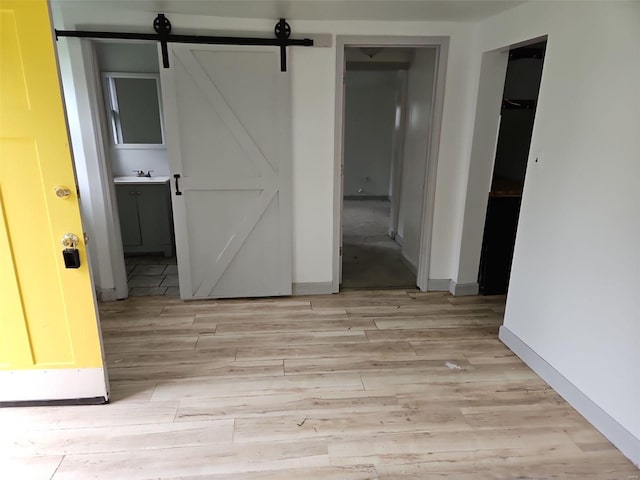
340 250
78 191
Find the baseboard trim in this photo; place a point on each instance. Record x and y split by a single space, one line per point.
463 289
448 285
56 403
627 443
52 385
410 265
106 294
438 284
312 288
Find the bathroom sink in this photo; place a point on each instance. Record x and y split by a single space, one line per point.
133 179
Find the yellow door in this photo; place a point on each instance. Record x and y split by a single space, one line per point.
50 345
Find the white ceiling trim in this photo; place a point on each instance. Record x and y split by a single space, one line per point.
367 10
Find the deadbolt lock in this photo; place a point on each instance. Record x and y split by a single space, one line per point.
70 254
70 240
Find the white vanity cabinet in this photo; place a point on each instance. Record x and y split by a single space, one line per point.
144 206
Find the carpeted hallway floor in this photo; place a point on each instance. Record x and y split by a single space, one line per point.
370 258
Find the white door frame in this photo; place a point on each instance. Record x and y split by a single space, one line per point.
442 46
90 136
102 129
398 155
486 128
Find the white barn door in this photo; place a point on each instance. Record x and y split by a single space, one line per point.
228 133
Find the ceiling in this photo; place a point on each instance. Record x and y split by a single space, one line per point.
389 10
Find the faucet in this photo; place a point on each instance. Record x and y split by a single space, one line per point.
140 173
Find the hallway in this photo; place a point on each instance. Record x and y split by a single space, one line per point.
370 258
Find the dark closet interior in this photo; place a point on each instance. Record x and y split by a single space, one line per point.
522 83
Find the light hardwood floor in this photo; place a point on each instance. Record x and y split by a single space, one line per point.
362 385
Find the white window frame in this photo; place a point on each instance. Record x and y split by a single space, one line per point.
112 110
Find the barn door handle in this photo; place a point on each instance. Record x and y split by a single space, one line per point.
177 177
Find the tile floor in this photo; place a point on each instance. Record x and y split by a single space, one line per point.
152 275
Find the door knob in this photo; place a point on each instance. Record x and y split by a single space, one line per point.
62 191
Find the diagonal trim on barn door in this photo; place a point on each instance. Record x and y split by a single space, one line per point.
235 243
237 129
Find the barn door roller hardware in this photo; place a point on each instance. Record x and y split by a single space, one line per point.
162 27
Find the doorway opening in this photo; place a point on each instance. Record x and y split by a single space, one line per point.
375 106
136 152
517 115
388 109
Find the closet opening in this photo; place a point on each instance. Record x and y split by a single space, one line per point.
517 116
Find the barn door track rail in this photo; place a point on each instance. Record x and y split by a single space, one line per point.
162 27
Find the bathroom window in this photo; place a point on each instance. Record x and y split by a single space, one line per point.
133 107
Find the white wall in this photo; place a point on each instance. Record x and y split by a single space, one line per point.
313 99
313 76
573 297
124 160
419 105
127 57
370 114
397 56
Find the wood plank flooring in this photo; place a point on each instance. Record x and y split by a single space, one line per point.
363 385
